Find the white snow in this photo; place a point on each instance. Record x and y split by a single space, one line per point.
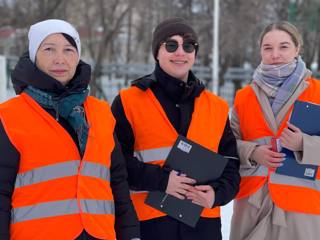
226 214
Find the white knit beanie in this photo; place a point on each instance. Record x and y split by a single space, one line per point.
39 31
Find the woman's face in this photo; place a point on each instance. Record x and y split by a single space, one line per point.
178 63
57 58
278 48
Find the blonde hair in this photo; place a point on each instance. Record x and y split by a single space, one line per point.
286 27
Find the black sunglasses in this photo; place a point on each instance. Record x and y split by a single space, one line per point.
172 45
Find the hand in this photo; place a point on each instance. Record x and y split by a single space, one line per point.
266 157
202 195
178 185
291 138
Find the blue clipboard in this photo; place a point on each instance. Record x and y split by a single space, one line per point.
306 116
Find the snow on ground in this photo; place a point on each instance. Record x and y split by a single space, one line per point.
226 214
9 94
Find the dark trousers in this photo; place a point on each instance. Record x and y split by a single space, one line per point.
167 228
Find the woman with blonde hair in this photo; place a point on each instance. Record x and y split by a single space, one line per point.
270 205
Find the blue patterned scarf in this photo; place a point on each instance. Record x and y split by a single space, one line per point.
280 81
69 107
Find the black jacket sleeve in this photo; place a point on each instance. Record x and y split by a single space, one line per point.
227 186
126 223
9 164
141 176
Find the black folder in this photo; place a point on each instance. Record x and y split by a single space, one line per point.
305 116
196 162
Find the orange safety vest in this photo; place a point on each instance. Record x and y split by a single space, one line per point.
155 135
57 194
289 193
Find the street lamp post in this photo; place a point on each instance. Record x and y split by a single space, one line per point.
215 53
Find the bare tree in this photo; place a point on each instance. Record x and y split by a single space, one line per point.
103 21
20 14
23 13
307 19
121 30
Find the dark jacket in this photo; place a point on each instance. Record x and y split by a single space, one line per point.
127 225
177 99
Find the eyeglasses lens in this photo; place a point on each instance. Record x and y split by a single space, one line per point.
171 46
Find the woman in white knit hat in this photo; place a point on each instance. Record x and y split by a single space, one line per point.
62 171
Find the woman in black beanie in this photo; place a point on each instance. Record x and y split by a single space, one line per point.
152 113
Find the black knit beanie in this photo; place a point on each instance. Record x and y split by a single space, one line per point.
168 28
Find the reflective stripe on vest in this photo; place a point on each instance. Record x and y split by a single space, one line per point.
97 206
263 140
258 171
59 208
60 170
293 181
46 173
97 170
253 178
151 155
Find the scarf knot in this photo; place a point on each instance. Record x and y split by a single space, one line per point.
69 107
280 81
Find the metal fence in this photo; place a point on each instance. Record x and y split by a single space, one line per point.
135 70
115 76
